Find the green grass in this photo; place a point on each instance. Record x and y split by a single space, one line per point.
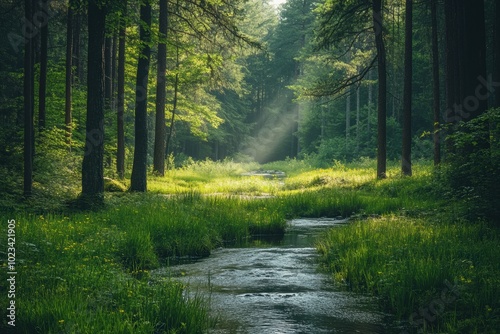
90 272
71 279
408 261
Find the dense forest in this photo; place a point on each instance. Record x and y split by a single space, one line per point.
103 96
183 81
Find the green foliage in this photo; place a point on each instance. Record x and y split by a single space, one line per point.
472 172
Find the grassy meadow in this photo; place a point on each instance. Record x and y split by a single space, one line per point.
89 272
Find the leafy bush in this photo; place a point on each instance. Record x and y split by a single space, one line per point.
473 171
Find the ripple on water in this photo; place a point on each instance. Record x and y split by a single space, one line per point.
278 289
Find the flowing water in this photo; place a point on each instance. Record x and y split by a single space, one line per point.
274 286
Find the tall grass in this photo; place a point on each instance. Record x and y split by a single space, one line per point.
408 262
71 279
89 272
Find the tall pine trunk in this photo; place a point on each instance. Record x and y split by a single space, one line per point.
138 181
28 105
347 118
120 151
452 68
370 100
92 166
114 64
108 71
160 130
69 72
407 93
435 84
357 118
174 108
382 90
496 53
474 59
42 88
77 62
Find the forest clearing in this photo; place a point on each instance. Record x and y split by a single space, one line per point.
250 166
91 271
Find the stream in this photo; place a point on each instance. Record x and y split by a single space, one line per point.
274 286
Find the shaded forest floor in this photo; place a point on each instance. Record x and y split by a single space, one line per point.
88 272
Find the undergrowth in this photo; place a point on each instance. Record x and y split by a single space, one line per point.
89 272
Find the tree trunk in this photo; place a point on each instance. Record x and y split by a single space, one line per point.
69 72
120 151
474 61
160 130
77 26
114 62
28 105
172 120
92 166
347 118
382 90
435 82
357 119
138 180
370 100
108 70
452 67
44 35
407 94
496 53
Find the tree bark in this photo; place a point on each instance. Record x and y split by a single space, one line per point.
407 93
370 100
347 118
92 166
496 51
357 118
28 105
120 151
474 60
452 68
42 88
176 89
435 84
382 90
138 180
161 85
172 119
108 70
77 26
114 64
69 72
